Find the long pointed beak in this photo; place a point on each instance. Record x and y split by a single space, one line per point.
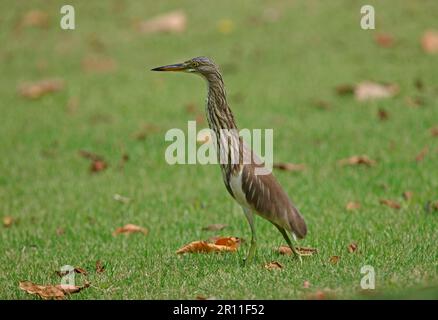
171 67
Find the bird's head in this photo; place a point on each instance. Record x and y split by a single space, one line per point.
199 65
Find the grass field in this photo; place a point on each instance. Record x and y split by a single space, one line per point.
274 72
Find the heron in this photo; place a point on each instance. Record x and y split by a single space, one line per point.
257 194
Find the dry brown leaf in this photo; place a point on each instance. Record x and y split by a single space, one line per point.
57 292
352 247
289 166
8 221
98 64
357 160
232 242
306 284
35 18
352 206
429 41
60 231
390 203
304 251
228 244
422 154
35 90
273 265
368 90
172 22
334 259
384 40
129 229
407 195
80 270
434 131
215 227
99 266
203 247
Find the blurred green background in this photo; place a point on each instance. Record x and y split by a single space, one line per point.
281 62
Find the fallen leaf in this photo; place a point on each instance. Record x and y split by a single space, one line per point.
273 265
120 198
352 206
232 242
344 89
289 166
8 221
98 64
130 228
215 227
384 40
422 154
57 292
304 251
368 90
172 22
357 160
35 18
35 90
434 131
383 114
99 267
229 244
306 284
334 259
390 203
429 41
352 247
225 26
80 271
407 195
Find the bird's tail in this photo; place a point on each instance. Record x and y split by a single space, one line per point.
297 223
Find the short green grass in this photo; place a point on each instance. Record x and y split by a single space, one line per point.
273 72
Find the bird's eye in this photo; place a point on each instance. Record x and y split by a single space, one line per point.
195 64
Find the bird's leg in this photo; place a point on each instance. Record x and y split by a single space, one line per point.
252 250
289 243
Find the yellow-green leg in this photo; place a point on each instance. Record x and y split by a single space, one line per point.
253 248
289 243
